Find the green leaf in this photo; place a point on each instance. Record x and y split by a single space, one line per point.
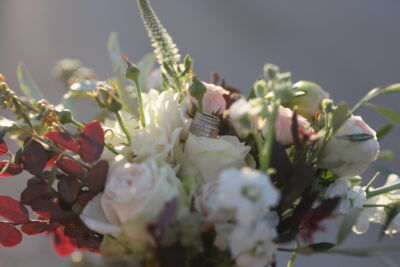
28 86
119 65
391 213
383 131
347 224
197 90
390 114
339 116
315 248
188 63
146 65
393 88
356 137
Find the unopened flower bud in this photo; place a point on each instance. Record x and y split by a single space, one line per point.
2 79
308 98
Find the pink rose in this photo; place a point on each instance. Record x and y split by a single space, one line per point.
283 126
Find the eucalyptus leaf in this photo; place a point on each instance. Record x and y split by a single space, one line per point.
346 225
390 114
27 85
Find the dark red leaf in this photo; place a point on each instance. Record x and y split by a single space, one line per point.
62 244
68 189
72 168
47 209
35 228
91 142
11 169
9 235
97 176
34 157
51 161
63 140
39 190
12 210
75 231
3 148
85 197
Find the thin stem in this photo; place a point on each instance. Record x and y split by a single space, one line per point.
79 125
267 147
383 190
294 254
374 206
123 126
371 182
140 101
258 140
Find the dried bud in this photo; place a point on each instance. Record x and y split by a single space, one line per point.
2 79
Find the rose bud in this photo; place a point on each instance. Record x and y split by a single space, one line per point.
308 98
283 127
352 148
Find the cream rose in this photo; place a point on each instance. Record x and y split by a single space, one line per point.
134 196
211 156
349 158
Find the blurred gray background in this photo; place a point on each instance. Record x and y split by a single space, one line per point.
346 46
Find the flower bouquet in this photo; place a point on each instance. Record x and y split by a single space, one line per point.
175 171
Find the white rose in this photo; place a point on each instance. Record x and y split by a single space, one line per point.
211 156
166 126
134 196
349 158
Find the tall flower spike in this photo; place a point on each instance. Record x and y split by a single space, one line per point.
164 47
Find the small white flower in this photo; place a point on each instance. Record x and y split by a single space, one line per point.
252 245
348 158
248 192
352 196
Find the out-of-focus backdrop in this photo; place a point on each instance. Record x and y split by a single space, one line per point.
346 46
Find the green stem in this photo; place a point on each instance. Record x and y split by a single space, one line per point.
383 190
294 255
140 101
374 206
266 151
79 125
123 126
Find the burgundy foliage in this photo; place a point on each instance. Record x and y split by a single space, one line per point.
91 141
8 169
63 140
10 236
12 210
34 157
